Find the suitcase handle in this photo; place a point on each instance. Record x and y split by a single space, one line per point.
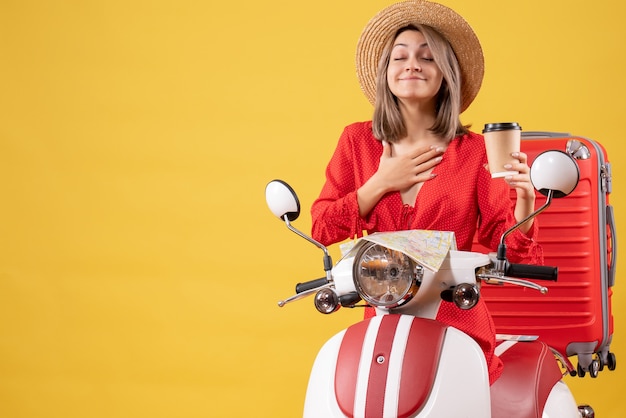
610 221
544 134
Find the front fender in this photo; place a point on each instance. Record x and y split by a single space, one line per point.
399 365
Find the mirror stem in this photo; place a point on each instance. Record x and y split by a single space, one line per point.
501 255
328 262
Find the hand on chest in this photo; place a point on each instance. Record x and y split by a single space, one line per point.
418 164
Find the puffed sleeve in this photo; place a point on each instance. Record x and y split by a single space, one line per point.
335 213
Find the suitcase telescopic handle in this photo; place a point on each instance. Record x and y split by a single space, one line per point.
529 271
610 219
544 134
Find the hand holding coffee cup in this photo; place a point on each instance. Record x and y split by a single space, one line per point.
501 141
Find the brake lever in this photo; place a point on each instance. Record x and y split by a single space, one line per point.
499 280
302 295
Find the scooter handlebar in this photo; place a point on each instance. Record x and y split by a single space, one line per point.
312 284
529 271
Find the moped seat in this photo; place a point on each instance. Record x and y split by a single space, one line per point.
530 372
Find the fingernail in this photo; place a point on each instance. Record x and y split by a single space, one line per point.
507 166
438 159
515 154
439 149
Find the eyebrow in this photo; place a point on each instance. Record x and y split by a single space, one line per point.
406 45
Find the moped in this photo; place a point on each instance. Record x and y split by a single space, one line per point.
403 362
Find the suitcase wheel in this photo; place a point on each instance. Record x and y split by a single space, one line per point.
611 361
596 365
607 359
593 369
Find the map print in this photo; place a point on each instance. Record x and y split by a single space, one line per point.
428 248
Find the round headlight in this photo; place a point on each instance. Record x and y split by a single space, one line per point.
385 277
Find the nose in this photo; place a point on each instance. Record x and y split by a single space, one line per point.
413 65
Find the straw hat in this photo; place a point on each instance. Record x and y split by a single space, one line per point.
446 21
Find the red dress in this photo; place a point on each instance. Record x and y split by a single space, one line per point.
462 198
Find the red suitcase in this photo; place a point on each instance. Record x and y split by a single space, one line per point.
577 233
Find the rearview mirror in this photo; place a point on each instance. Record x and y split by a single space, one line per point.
282 200
554 171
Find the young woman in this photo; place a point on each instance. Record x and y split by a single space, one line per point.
415 166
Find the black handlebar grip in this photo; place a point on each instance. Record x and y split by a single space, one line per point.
303 287
529 271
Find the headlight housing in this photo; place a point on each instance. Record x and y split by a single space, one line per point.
385 277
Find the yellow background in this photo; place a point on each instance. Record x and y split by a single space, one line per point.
139 265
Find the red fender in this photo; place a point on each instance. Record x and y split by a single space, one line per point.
419 365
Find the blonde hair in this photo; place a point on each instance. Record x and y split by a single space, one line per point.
387 122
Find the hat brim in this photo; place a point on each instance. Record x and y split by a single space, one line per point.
446 21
